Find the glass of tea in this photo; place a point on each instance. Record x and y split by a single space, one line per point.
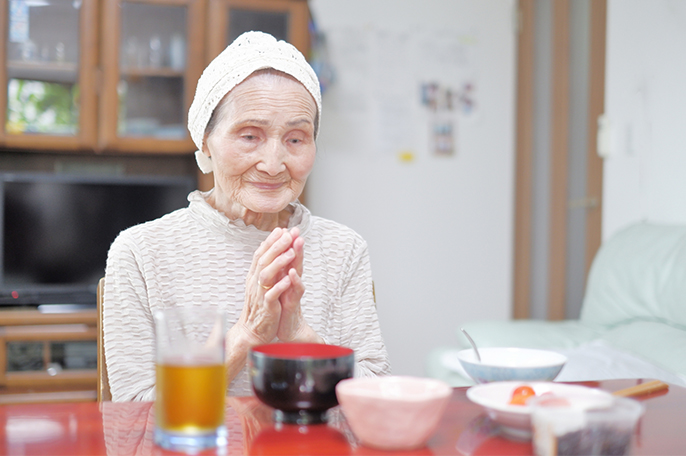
191 379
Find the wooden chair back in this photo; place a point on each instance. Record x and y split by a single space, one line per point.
103 383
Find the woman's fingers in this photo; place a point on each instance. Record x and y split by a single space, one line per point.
298 249
261 314
277 242
291 320
295 292
274 271
281 250
264 246
274 293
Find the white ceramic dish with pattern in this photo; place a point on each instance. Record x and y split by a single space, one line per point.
515 420
500 364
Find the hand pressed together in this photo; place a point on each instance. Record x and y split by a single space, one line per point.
273 291
274 288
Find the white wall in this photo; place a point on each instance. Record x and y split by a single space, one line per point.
439 229
645 102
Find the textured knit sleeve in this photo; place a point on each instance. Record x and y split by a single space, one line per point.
360 323
128 325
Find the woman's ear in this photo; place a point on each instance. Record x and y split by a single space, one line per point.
204 161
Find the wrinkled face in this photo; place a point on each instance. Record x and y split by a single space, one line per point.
262 146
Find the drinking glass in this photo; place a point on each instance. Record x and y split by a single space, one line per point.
191 379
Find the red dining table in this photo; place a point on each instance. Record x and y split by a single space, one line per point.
109 428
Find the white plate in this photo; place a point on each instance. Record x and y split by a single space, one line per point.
515 420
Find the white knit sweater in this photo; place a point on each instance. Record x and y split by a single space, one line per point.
196 256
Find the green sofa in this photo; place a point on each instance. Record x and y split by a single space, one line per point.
632 323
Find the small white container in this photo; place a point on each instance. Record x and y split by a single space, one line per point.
571 426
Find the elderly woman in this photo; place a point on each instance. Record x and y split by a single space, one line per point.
247 246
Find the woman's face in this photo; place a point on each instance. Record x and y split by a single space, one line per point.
262 147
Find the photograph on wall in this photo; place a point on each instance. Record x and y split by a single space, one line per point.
445 104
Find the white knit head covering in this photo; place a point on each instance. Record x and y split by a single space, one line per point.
250 52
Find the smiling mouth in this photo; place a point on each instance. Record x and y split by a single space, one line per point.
268 186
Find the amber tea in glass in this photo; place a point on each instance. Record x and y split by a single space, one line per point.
191 379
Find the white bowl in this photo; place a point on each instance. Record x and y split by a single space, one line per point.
508 363
515 420
393 412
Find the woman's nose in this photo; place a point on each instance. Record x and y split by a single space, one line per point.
272 158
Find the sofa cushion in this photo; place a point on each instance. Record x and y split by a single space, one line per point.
529 334
638 274
599 360
663 345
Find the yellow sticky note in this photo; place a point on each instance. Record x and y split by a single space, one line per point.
406 156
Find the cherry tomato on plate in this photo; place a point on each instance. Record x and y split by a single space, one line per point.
522 394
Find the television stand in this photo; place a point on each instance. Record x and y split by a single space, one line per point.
48 355
64 308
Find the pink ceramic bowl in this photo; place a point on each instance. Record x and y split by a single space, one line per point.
394 412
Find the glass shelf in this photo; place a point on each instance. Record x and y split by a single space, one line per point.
151 72
43 71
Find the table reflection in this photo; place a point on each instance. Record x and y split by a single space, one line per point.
22 431
128 429
30 429
261 436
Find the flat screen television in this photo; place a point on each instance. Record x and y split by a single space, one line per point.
56 230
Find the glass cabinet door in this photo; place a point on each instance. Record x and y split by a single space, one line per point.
284 19
49 98
150 75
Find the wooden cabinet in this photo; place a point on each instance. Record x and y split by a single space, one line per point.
119 75
47 356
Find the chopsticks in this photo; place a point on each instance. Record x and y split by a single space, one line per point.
642 389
